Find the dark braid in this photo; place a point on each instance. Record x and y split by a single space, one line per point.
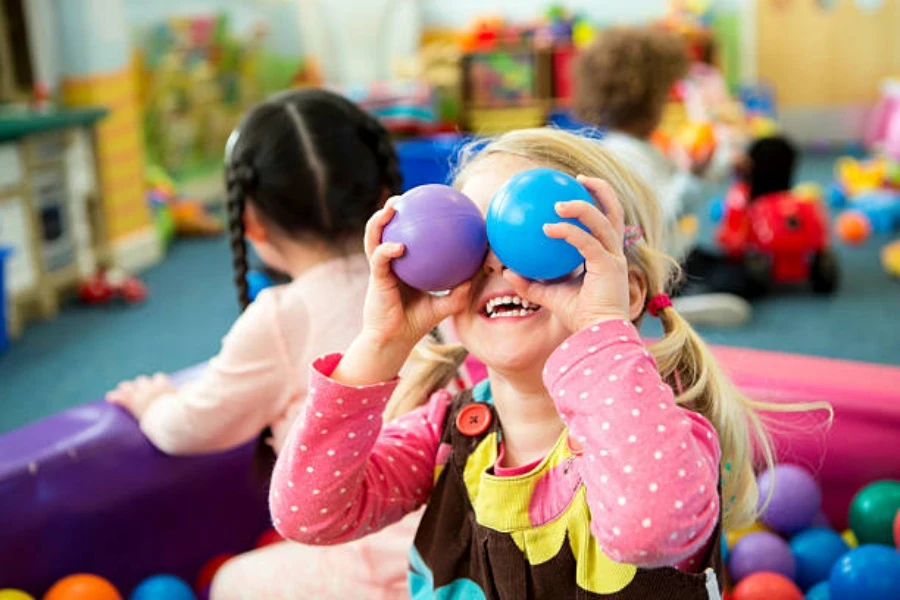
239 181
379 140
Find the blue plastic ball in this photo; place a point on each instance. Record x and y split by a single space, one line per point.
516 218
815 552
162 587
717 209
870 572
819 592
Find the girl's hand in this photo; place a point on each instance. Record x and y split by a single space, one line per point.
137 395
601 293
395 316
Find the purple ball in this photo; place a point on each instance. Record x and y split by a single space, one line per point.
444 235
796 499
761 551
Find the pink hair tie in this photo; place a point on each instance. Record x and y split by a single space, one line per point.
657 303
633 234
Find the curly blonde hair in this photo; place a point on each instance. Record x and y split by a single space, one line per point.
623 79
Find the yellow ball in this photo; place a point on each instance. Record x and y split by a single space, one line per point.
732 537
9 594
890 258
850 538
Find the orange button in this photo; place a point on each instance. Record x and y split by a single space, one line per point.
574 446
473 419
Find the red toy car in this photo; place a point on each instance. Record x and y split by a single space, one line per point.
782 238
104 286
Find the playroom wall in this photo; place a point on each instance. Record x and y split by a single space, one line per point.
843 53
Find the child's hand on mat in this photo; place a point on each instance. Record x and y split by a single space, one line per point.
602 292
138 394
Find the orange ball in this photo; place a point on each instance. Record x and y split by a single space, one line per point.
82 586
699 139
853 227
269 537
209 570
767 586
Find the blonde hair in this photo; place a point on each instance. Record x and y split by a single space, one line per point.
685 362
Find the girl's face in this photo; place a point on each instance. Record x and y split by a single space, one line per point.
493 327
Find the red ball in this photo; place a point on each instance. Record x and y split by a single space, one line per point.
897 530
767 586
268 538
208 571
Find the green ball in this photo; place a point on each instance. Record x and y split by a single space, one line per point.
872 512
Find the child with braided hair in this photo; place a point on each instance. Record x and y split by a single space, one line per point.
305 171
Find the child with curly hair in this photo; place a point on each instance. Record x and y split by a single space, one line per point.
622 83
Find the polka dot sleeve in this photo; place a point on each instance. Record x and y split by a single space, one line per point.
342 473
650 467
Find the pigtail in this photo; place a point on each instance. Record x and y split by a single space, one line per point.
432 367
687 364
239 180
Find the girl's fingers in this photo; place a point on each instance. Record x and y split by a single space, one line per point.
375 226
456 301
591 248
533 291
381 261
595 221
606 198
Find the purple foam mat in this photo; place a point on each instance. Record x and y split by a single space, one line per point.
84 491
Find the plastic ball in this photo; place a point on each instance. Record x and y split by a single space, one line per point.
815 552
890 259
897 530
853 227
717 209
162 587
795 502
267 538
444 237
872 512
819 592
759 552
209 570
869 572
848 536
836 197
10 594
516 218
82 586
767 586
732 536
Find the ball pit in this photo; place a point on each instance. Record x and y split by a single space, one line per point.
815 552
83 586
758 552
870 572
873 510
795 500
162 587
767 586
819 592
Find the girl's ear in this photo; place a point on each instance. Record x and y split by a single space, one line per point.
637 294
254 228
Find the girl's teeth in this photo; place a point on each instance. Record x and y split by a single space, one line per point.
525 303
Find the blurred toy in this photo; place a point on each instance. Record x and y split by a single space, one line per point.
890 258
105 286
856 176
82 586
873 510
852 227
162 587
781 236
176 215
698 140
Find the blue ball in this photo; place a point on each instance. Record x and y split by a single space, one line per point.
257 281
162 587
717 209
815 551
819 592
870 572
516 218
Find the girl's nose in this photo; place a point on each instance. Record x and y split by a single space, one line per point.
492 264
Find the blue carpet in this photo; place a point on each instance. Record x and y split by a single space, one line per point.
87 350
